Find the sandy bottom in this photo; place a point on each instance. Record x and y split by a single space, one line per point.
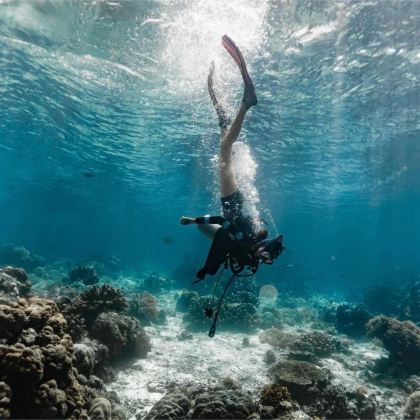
204 360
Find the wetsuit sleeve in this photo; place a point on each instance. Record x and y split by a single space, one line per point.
214 220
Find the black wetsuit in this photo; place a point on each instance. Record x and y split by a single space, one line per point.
236 237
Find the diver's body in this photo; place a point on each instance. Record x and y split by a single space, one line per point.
233 233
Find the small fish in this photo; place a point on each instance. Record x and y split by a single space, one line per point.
89 175
167 240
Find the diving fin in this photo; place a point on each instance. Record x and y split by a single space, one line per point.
250 98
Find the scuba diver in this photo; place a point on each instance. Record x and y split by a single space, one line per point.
237 242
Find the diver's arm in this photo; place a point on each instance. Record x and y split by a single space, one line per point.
213 220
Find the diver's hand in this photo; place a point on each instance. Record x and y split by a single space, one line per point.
186 220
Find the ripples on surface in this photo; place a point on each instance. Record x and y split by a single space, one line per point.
119 88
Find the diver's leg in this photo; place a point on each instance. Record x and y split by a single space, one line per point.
208 230
224 120
228 184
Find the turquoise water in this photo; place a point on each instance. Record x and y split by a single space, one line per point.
118 90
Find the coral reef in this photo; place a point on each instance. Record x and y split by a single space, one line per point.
313 345
333 402
311 387
401 339
351 320
103 335
224 404
36 372
84 274
364 402
50 400
412 407
5 400
239 316
12 321
144 308
277 397
85 356
14 283
100 409
201 403
411 384
174 405
42 373
96 300
302 379
123 335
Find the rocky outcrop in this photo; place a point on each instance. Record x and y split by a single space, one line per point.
401 340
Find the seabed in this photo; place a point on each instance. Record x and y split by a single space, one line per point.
96 341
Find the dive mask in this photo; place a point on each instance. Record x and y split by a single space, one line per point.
272 249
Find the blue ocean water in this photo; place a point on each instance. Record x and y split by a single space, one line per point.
116 90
